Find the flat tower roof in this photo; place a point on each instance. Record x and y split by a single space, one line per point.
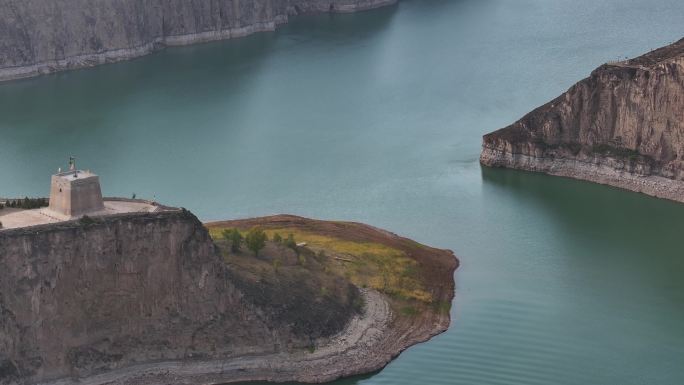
75 174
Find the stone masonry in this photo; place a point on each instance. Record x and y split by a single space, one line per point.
75 193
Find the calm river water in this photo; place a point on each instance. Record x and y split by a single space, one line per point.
377 117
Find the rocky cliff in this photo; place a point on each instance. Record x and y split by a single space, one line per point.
44 36
78 299
622 126
149 298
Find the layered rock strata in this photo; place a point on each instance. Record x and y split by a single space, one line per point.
44 36
622 126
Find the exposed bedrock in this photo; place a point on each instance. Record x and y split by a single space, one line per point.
149 298
622 126
44 36
81 299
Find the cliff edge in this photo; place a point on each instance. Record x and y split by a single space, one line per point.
80 298
44 36
622 126
151 298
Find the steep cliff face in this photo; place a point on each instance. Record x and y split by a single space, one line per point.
77 299
43 36
622 126
149 298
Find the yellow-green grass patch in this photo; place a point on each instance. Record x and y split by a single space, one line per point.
365 264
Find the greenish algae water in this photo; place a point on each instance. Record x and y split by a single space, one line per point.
377 117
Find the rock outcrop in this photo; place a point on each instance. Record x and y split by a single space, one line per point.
81 298
147 298
622 126
44 36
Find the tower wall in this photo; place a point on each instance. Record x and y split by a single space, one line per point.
74 197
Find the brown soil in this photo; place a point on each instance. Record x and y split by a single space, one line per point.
436 265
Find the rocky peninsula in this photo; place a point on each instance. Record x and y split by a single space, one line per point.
159 297
622 126
44 36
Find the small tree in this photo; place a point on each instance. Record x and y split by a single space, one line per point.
233 237
277 238
255 240
235 240
225 234
290 242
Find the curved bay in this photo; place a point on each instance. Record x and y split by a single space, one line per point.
377 117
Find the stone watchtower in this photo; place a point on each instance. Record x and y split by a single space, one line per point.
75 193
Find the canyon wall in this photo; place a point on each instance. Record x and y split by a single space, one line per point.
44 36
149 298
81 298
622 126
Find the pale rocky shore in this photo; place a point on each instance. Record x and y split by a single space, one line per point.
597 169
44 36
623 126
360 348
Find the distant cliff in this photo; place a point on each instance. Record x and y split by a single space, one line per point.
44 36
622 126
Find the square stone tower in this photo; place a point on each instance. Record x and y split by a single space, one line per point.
75 193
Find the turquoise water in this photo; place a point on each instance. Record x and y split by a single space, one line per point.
377 117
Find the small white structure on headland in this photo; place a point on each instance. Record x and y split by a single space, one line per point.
75 193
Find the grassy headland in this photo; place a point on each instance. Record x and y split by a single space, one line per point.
318 279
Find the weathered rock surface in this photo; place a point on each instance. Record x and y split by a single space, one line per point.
44 36
146 298
622 126
77 300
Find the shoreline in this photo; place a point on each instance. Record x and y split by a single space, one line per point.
368 343
602 170
620 126
90 60
124 54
